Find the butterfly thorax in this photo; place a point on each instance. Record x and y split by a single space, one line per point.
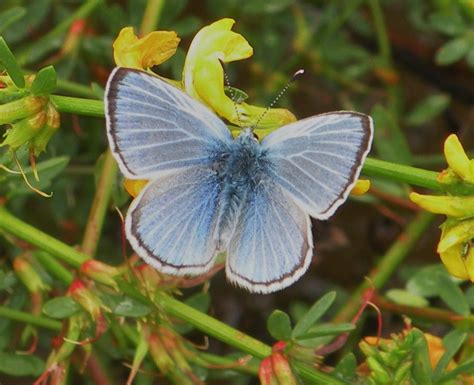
239 173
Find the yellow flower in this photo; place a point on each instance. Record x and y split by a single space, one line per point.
455 248
361 187
203 76
459 164
143 53
134 186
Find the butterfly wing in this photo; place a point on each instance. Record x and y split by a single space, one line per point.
271 244
154 127
171 223
318 160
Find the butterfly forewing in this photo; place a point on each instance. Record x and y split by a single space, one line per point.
317 160
153 127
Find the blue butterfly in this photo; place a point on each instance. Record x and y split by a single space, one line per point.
209 193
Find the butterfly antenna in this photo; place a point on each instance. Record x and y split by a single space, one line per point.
296 75
232 95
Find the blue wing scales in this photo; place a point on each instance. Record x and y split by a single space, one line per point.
317 160
154 127
271 244
172 222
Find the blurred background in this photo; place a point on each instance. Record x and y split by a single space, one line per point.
409 64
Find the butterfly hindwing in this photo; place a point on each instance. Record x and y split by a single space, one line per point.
271 244
171 223
154 127
318 159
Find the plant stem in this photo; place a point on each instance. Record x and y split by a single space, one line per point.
100 204
80 106
401 173
387 265
54 267
29 318
201 321
428 313
151 16
9 223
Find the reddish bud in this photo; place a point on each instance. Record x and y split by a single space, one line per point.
100 272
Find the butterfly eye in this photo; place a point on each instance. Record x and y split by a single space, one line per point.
255 135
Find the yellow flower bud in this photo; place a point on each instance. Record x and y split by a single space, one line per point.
133 187
361 187
457 159
453 206
143 53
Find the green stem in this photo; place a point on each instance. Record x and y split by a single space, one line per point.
79 106
381 31
29 318
54 267
75 89
100 204
201 321
151 16
401 173
9 223
387 265
44 44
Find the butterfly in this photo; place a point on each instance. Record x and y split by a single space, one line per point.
209 193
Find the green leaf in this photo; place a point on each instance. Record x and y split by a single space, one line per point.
425 282
470 296
449 24
10 64
61 307
421 369
428 109
7 279
11 16
451 342
200 301
345 369
20 365
326 329
45 81
465 367
314 314
404 297
452 295
452 51
279 325
389 140
470 57
129 307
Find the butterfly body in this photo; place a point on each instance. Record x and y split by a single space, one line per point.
239 174
209 192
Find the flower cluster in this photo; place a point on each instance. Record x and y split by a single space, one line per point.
457 232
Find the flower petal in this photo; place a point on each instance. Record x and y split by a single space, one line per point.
152 49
